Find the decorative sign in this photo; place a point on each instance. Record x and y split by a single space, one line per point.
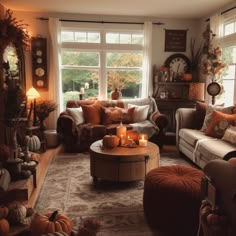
175 40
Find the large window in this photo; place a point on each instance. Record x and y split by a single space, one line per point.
229 57
95 62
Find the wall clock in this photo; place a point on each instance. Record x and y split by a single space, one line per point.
178 64
39 63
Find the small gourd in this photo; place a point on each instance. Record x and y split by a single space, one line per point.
3 212
110 141
4 227
17 214
33 142
50 223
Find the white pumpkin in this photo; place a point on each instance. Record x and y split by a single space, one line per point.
33 142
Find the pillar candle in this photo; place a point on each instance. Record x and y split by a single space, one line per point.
142 142
82 90
121 130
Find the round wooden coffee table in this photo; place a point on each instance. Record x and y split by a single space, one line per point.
122 163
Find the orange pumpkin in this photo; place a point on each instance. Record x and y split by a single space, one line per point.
3 212
110 141
4 227
50 223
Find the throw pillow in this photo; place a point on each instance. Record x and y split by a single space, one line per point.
219 123
209 112
200 114
230 134
140 112
77 115
111 115
92 113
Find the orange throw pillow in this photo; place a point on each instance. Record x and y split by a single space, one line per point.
219 123
111 115
92 113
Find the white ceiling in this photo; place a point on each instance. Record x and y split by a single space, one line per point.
149 8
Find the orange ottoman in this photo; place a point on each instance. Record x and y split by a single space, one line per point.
172 199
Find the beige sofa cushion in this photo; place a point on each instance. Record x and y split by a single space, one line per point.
214 149
191 136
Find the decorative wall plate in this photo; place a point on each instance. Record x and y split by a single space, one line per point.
213 89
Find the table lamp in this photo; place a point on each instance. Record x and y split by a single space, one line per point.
196 91
32 94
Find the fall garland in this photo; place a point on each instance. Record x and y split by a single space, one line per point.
13 31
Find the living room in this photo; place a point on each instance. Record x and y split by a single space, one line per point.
152 39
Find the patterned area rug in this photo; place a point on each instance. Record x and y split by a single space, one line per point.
68 187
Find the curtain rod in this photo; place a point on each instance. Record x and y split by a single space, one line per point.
223 12
104 22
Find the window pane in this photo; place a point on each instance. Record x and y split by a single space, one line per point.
124 59
125 38
128 82
67 36
80 58
112 38
81 37
74 80
93 37
229 92
137 39
229 73
229 28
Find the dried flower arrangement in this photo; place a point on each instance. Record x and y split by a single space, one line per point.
44 108
213 65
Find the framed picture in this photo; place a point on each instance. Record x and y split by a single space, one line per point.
175 40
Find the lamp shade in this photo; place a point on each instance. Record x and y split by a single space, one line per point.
196 91
32 93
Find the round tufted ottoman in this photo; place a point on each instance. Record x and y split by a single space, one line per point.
172 199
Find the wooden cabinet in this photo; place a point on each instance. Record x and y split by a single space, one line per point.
169 97
169 107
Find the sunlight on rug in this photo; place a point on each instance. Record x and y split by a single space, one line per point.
68 187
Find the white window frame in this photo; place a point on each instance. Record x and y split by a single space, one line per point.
229 40
104 47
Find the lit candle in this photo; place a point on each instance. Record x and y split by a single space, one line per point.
142 142
82 90
129 140
86 85
121 130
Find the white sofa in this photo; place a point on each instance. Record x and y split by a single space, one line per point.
195 144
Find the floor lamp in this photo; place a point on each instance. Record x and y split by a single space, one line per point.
32 94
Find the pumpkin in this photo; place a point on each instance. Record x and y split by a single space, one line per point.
3 212
213 219
56 234
17 214
4 227
4 152
33 142
110 141
50 223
